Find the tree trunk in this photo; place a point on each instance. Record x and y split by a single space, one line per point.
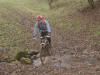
50 3
91 2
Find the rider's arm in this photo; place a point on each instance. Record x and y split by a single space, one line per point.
35 29
48 27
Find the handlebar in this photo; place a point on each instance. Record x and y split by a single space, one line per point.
45 36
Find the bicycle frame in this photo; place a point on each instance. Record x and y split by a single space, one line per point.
44 41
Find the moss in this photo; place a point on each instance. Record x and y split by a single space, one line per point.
26 54
21 54
25 60
33 52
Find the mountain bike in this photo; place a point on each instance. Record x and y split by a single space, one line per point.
45 48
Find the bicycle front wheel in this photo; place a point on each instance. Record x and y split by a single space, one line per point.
42 55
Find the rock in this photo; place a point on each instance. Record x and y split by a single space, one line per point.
25 60
33 52
21 54
26 57
34 57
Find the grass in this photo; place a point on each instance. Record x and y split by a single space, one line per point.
17 16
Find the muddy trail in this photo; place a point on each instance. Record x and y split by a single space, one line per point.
71 53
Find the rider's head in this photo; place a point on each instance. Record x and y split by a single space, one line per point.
39 18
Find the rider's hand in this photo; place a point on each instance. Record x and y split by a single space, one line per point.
34 38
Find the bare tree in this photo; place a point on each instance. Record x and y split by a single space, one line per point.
91 2
50 3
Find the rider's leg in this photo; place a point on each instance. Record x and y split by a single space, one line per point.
42 36
49 39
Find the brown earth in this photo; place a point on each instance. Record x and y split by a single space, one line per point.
72 53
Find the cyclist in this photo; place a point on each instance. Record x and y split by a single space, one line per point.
44 28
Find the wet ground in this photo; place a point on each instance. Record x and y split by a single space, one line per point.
71 55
